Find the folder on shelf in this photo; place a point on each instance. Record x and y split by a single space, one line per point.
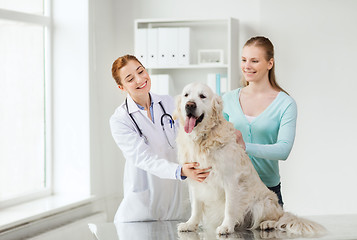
168 46
224 84
184 46
152 41
218 83
141 45
211 81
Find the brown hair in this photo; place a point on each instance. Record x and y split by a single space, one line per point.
267 45
119 64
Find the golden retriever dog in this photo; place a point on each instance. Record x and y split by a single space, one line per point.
232 196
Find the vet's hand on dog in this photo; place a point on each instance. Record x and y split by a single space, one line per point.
239 138
190 170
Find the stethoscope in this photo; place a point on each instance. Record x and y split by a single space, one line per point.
172 123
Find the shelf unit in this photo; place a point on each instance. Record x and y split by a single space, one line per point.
204 34
191 66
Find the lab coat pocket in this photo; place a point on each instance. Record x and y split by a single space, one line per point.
134 207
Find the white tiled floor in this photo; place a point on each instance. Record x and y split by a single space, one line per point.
339 227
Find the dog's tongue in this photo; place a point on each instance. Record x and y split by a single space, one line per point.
189 124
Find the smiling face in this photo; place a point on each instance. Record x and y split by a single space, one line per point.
196 104
134 79
255 67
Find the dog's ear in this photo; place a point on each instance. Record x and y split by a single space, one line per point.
177 112
217 106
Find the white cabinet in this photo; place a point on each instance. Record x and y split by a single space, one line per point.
172 46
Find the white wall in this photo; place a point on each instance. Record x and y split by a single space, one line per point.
106 159
315 51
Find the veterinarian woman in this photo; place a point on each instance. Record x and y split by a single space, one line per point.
144 130
263 112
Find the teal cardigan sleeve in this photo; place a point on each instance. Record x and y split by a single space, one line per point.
282 148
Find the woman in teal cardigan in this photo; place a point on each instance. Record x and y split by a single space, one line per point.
262 112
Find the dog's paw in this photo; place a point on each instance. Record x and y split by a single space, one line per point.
187 227
267 225
225 229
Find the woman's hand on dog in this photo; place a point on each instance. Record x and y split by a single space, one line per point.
239 138
190 170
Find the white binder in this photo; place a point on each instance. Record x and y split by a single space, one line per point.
211 81
184 46
224 84
141 45
217 82
168 46
152 59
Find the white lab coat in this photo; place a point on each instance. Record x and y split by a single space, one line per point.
151 190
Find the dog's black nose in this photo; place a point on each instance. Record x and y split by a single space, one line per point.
190 107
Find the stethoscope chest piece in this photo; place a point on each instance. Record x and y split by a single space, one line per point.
162 122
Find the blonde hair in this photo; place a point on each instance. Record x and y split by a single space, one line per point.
268 47
119 64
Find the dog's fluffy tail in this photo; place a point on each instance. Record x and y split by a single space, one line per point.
295 225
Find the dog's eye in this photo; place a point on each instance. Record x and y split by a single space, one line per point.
186 95
202 96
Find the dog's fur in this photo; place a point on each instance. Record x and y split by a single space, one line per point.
232 196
